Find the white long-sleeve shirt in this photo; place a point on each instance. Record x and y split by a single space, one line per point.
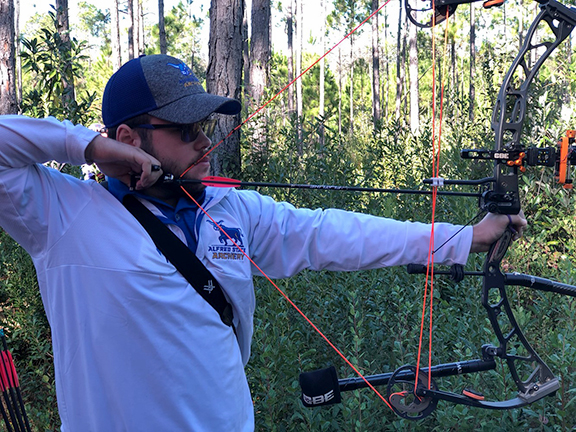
135 347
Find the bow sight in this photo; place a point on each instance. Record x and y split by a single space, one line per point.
411 392
561 158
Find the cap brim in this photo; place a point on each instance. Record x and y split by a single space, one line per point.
194 108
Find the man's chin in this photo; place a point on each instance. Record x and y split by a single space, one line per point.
175 189
193 189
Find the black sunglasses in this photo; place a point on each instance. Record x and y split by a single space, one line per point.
188 132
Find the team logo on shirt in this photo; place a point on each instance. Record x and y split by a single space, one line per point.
231 243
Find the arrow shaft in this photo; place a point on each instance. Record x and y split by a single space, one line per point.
235 183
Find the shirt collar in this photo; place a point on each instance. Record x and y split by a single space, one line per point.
120 190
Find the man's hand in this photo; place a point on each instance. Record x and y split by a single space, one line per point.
491 228
119 160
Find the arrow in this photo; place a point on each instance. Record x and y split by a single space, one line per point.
10 388
215 181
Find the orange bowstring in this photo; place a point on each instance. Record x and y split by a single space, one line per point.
285 88
283 294
428 297
244 253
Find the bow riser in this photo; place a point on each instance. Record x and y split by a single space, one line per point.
510 108
541 381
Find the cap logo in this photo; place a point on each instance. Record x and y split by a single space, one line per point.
184 69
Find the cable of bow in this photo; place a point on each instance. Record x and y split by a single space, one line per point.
428 295
289 300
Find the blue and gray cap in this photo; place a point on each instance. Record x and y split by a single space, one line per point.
162 86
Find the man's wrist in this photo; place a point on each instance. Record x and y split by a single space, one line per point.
88 152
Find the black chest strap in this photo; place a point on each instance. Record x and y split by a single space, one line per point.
181 257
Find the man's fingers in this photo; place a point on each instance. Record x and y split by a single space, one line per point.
519 223
150 172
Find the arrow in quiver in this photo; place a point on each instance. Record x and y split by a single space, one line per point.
11 403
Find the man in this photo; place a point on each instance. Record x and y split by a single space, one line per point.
137 348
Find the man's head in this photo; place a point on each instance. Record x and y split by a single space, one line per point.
156 103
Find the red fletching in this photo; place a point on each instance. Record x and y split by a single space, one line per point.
13 370
8 371
3 379
215 181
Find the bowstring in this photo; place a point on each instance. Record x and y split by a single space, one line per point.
261 108
428 296
289 300
348 362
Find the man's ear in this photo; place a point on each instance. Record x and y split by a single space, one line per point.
127 135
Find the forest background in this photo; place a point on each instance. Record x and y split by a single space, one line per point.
363 116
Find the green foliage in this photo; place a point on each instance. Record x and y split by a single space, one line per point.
373 317
93 20
183 31
50 63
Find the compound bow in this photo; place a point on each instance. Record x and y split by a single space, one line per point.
412 393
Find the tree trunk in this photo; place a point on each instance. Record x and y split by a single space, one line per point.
162 29
260 50
137 28
115 36
300 46
17 50
387 65
339 91
260 55
351 131
566 97
399 64
8 101
224 77
472 90
130 29
403 71
454 77
246 59
64 31
322 83
142 32
414 88
290 35
376 110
